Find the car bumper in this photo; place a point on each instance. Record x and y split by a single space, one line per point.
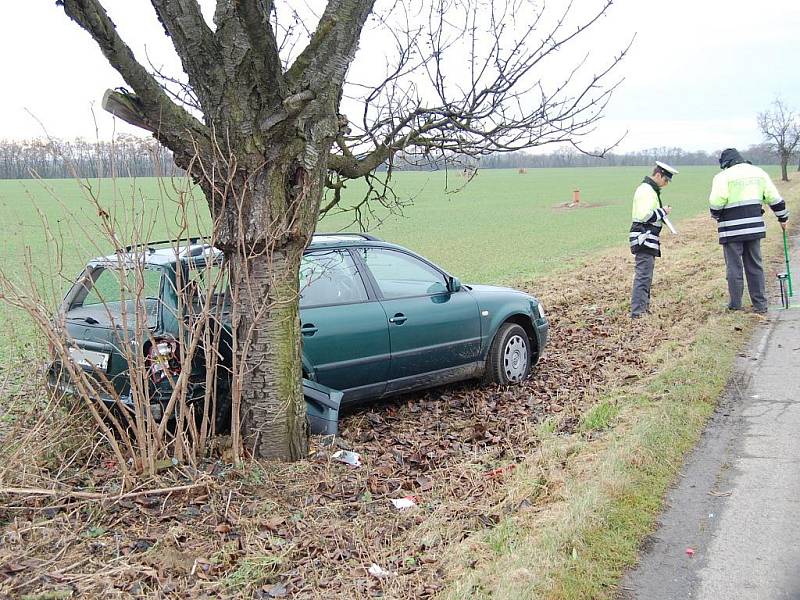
542 328
58 380
322 403
322 407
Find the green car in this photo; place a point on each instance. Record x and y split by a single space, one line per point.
377 320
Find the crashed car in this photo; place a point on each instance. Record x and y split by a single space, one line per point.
377 320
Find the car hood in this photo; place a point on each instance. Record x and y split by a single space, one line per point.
488 289
490 292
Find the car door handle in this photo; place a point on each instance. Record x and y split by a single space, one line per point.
398 319
309 329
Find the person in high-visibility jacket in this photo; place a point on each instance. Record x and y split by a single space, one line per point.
737 200
647 215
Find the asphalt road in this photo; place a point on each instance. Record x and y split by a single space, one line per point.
737 504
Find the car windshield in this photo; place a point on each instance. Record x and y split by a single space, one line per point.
110 296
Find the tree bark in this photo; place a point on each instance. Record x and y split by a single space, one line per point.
267 327
784 170
263 220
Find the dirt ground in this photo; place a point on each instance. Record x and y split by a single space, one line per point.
314 529
578 205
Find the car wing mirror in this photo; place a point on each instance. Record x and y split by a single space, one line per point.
453 284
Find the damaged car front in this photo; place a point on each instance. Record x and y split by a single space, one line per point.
121 327
147 332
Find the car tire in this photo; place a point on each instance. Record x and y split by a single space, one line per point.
509 358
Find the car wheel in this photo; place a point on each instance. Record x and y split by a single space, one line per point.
509 359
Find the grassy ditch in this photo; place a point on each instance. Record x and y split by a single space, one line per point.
541 490
606 482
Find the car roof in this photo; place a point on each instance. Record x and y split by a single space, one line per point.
150 255
337 240
166 252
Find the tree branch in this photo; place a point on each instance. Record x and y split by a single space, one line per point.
325 60
501 107
295 72
195 44
173 125
254 17
127 107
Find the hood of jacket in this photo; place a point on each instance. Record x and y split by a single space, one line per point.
730 157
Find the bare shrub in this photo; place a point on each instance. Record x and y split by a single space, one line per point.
156 393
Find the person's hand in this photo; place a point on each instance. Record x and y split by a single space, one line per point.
668 209
783 225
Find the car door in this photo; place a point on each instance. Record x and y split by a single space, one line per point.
433 332
344 331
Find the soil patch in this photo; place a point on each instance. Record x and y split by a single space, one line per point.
578 205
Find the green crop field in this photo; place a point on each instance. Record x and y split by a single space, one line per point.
503 226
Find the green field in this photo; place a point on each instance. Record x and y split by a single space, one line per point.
502 226
505 226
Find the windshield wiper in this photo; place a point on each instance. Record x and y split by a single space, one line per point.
89 320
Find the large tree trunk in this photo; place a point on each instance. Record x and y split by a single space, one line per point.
263 220
784 172
267 327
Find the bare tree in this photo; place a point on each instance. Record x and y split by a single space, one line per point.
781 130
259 123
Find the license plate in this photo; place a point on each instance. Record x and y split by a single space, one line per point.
89 358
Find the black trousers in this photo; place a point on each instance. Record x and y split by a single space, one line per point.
743 261
642 280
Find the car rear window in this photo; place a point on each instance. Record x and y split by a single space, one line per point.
112 285
111 296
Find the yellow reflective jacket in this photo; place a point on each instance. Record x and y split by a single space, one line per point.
736 202
647 215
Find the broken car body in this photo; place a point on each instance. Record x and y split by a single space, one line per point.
377 320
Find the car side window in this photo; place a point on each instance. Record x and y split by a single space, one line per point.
330 277
400 275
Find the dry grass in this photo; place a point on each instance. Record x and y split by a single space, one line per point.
606 487
514 486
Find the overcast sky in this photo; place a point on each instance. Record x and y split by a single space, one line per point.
697 74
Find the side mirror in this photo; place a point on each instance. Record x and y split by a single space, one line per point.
453 284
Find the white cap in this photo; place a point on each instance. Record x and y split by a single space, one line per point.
670 171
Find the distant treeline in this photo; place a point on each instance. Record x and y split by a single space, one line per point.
131 156
125 156
758 154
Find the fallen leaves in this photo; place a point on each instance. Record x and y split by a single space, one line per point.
315 528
